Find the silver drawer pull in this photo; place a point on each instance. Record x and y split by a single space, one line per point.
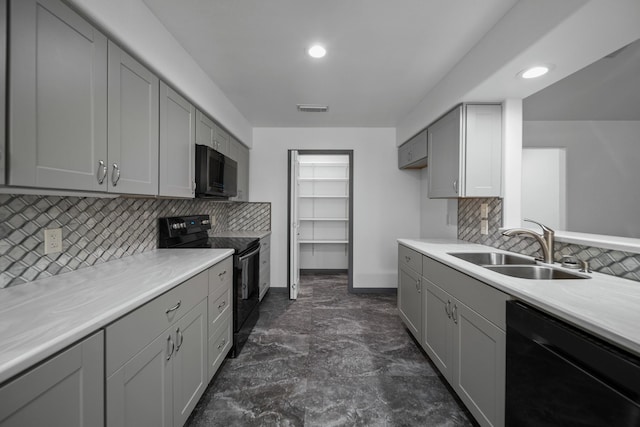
454 313
222 305
407 258
221 275
447 308
179 339
174 308
222 344
115 174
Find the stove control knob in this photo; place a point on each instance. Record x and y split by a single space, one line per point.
175 226
205 222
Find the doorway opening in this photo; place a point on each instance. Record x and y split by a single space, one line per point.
320 215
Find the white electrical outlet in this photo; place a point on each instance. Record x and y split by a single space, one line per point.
52 241
213 220
484 210
484 226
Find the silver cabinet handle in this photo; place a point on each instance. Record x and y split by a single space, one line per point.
222 305
221 275
454 313
179 339
447 308
193 187
224 341
170 347
407 258
115 174
174 308
102 172
418 286
455 186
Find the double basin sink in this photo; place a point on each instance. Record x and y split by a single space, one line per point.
516 266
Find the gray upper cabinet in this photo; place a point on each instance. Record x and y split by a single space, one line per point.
240 154
57 98
222 141
205 130
64 391
3 74
413 153
177 144
465 152
133 125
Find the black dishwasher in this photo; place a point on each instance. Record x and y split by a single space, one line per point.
558 375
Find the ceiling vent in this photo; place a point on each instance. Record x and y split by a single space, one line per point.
312 108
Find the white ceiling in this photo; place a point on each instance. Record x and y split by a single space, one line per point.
383 56
608 89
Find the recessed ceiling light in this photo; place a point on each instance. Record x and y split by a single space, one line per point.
317 51
533 72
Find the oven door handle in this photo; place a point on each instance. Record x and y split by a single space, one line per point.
249 255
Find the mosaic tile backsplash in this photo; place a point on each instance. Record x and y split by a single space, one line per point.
616 263
96 230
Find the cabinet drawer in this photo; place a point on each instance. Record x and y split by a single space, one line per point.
130 334
221 275
409 258
265 261
219 344
219 304
480 297
265 244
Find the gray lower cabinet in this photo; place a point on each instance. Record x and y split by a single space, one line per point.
57 97
220 321
65 391
464 336
410 290
265 265
156 358
177 144
133 120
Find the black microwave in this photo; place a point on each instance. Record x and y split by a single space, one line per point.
216 174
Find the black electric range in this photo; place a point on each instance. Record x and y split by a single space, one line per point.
189 232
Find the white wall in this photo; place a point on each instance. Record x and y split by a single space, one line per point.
602 158
386 199
132 25
438 217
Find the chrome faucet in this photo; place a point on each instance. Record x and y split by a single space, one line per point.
545 240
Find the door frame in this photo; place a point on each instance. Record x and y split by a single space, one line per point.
349 154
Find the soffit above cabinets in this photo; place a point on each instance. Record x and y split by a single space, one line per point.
382 57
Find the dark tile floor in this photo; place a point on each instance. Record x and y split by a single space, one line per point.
328 359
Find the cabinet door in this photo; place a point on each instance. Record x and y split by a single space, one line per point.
243 174
133 143
479 358
65 391
444 142
222 141
57 98
177 144
438 328
3 74
205 130
189 362
483 148
410 300
140 392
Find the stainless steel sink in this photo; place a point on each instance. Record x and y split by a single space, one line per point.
493 258
538 272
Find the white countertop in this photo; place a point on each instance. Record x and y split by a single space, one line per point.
40 318
604 305
242 233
